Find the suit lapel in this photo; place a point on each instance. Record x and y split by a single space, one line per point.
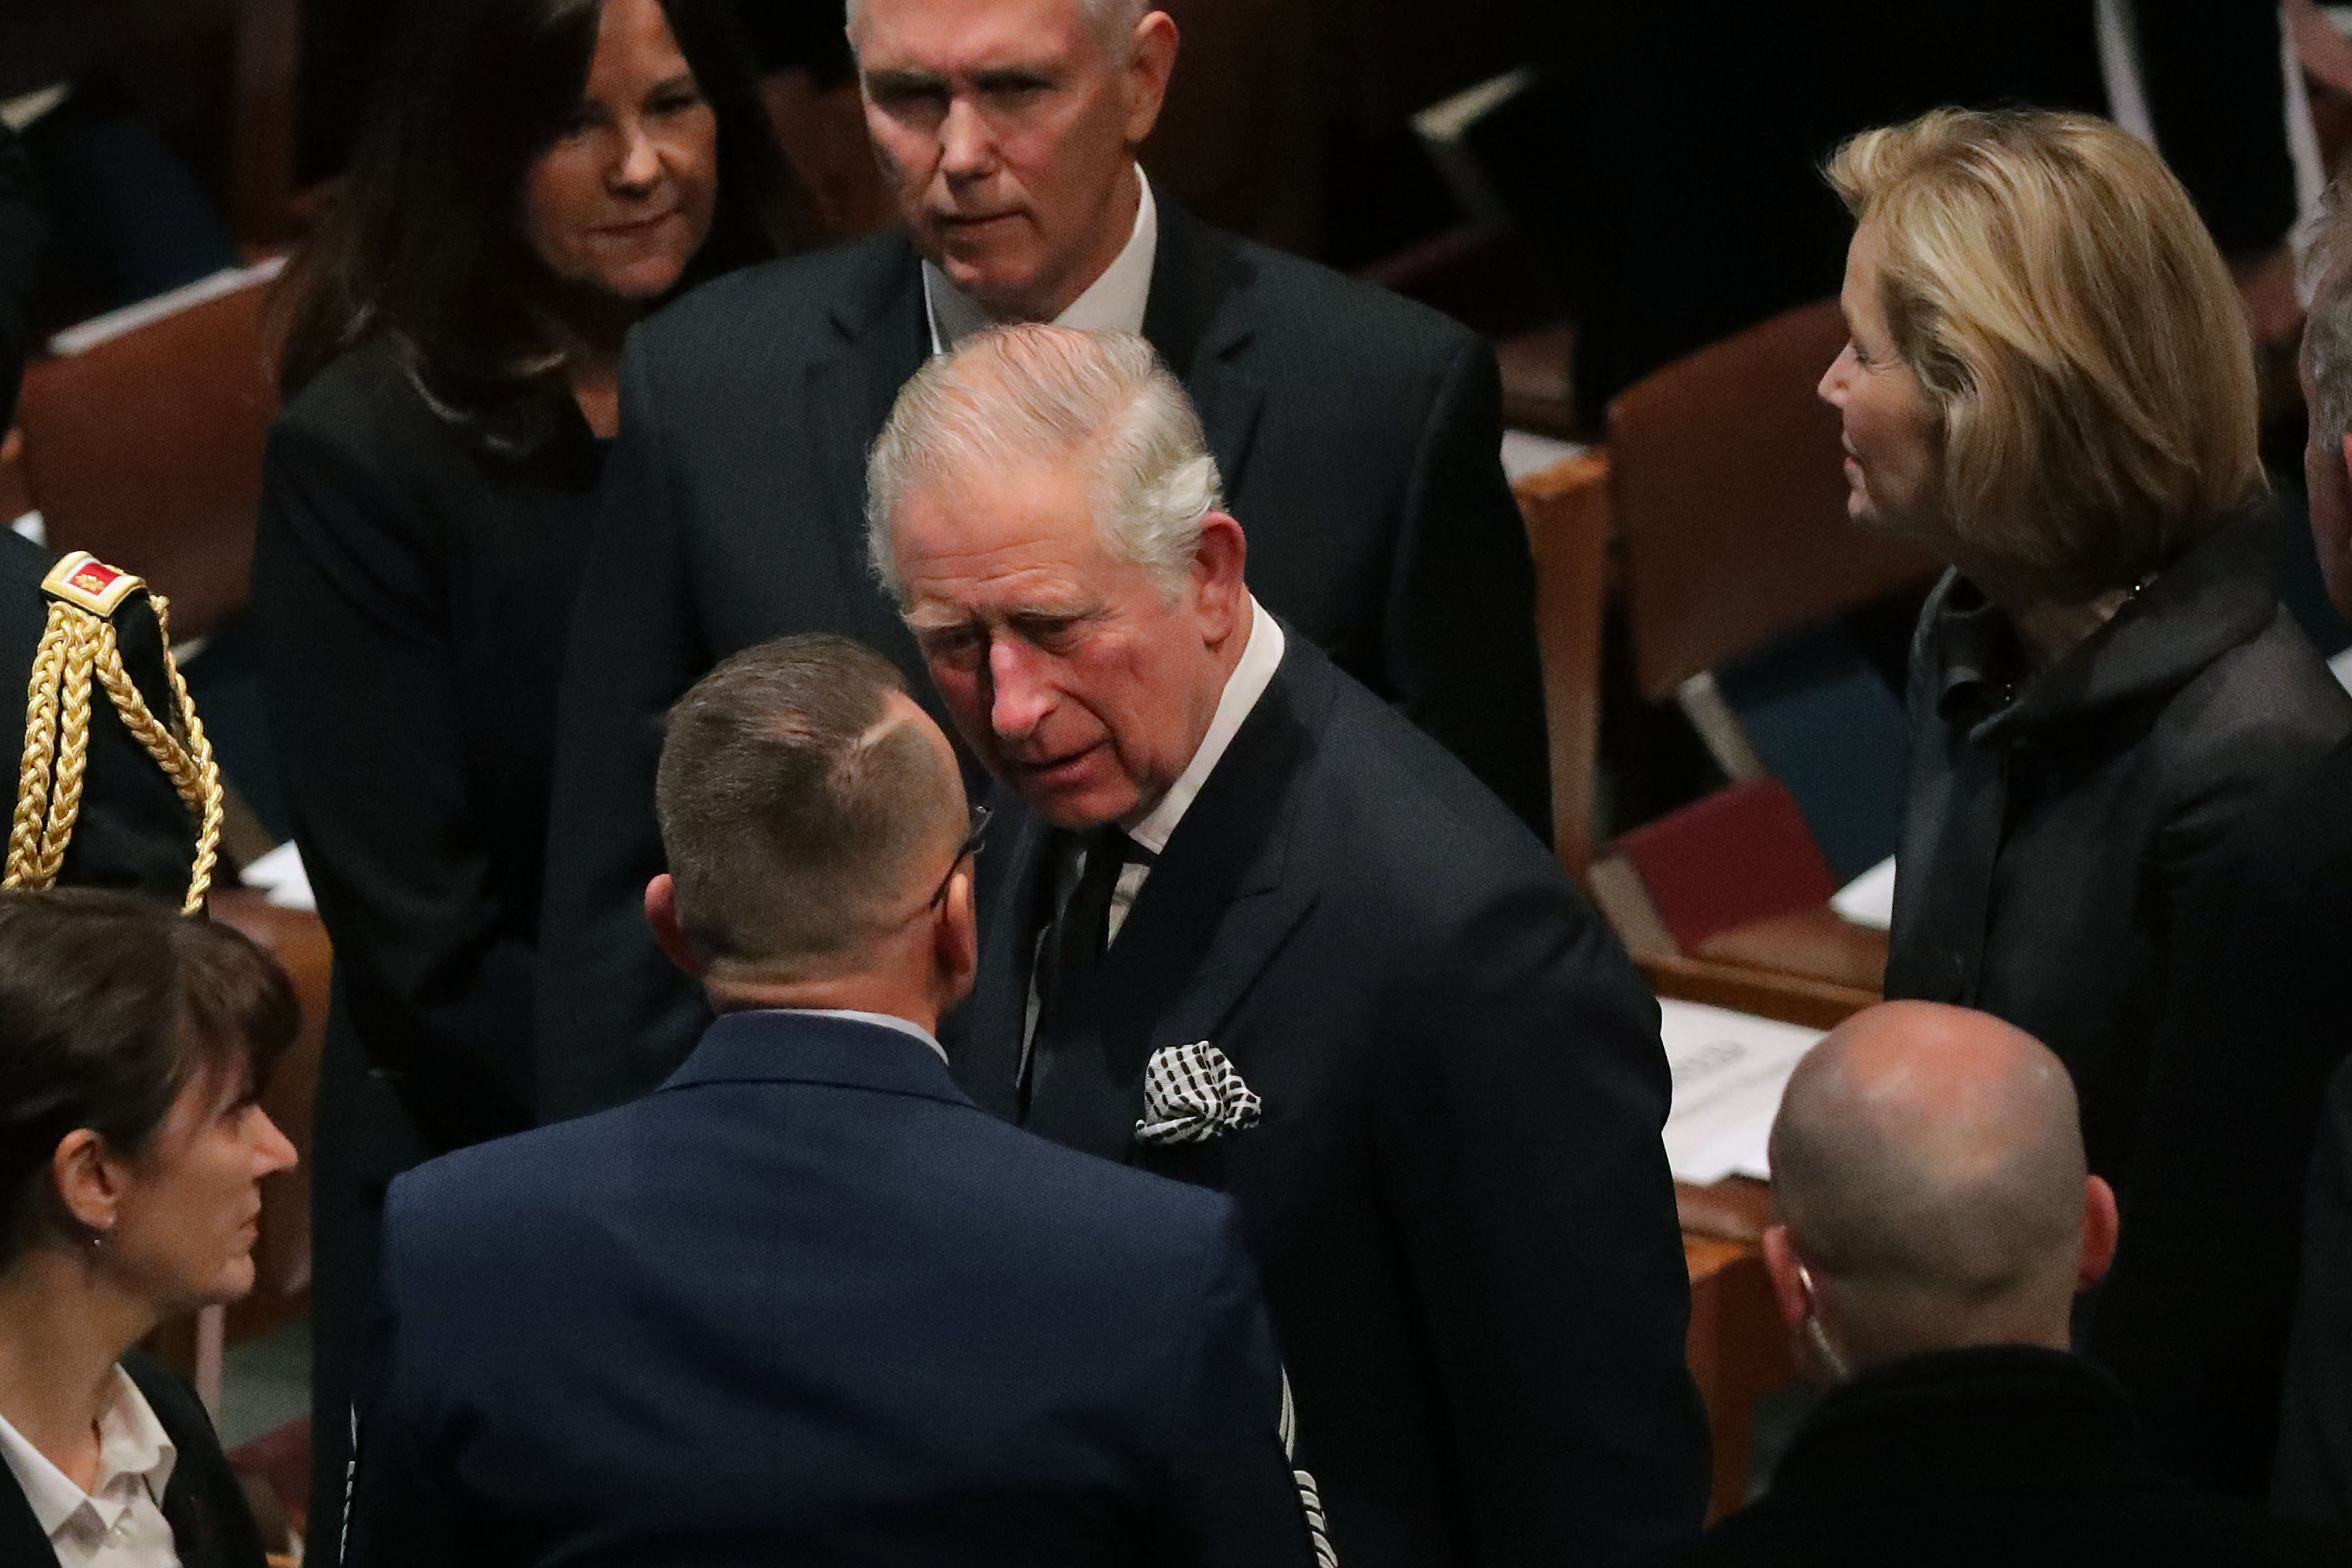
884 338
21 1539
1194 319
1211 916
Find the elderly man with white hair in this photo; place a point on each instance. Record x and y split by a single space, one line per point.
2237 1387
1361 433
1935 1219
1244 925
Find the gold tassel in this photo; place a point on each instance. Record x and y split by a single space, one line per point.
78 646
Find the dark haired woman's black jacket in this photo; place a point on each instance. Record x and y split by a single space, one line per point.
211 1525
2054 821
415 594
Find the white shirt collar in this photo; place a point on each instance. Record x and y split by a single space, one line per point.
135 1459
1260 657
1112 303
887 1020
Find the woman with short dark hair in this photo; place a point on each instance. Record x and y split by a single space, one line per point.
538 175
133 1143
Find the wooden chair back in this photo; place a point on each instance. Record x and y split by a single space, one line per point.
146 452
1566 507
1728 487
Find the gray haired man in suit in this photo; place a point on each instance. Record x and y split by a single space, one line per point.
1248 928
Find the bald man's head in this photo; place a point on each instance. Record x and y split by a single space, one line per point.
1928 1162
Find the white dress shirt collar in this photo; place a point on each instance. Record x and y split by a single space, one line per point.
1112 303
887 1020
135 1461
1260 658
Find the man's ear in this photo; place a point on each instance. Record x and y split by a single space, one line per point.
2102 1226
1150 61
1789 1290
661 913
957 936
1217 563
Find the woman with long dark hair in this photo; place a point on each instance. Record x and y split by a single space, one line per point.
537 174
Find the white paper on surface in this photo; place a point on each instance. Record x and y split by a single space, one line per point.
1525 453
1869 899
281 878
1730 1069
2340 667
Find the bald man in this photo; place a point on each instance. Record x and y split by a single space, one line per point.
1936 1222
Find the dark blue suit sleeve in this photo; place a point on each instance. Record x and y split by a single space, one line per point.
1233 1496
1520 1130
615 1016
1460 642
395 1513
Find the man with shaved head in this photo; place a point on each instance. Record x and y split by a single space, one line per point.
806 1304
1935 1221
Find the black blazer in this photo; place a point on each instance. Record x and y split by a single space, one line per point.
806 1305
1457 1192
133 831
1358 434
211 1525
2048 837
413 594
2006 1454
2313 1480
2193 1319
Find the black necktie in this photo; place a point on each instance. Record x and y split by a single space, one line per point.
1080 933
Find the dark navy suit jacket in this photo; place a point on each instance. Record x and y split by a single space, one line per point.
1456 1192
806 1305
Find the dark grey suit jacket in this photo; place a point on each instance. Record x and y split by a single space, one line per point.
2313 1480
2053 823
1358 434
1456 1194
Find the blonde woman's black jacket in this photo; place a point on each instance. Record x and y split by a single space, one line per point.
2055 820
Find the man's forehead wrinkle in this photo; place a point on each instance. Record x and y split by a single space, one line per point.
981 45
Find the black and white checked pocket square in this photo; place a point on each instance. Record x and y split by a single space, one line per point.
1192 1093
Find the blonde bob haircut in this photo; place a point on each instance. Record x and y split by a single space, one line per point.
2074 333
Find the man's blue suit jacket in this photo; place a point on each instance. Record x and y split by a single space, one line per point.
807 1304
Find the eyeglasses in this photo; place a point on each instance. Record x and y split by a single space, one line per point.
970 846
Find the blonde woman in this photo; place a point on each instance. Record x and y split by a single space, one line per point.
2050 382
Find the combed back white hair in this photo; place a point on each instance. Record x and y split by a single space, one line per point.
1112 22
1101 402
2328 336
